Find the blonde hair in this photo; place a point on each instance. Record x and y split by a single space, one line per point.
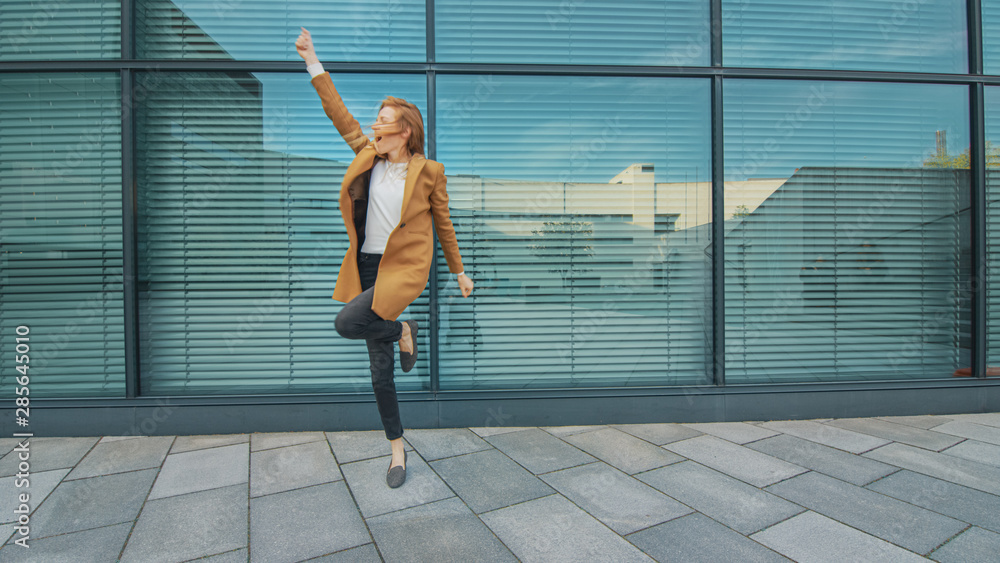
409 114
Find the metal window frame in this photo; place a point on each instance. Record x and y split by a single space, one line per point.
128 66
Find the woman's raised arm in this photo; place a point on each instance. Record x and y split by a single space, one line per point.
333 105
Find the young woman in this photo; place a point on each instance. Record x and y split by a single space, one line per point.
388 198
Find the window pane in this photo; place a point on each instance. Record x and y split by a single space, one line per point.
582 208
924 36
241 236
991 36
36 30
847 230
559 31
383 30
992 99
61 232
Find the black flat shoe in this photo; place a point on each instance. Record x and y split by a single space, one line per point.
408 359
396 475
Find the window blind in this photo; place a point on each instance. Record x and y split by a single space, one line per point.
992 285
991 36
924 36
583 212
61 232
241 236
843 260
561 32
35 30
385 30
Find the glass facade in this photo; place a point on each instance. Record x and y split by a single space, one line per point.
253 30
647 194
914 36
41 30
991 267
641 32
847 230
583 216
240 234
61 231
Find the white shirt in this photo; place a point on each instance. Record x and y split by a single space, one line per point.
385 204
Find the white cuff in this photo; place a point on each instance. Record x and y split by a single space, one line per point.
315 69
460 273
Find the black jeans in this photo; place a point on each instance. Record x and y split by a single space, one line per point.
357 321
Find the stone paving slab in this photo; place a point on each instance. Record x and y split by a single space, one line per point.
658 433
552 529
961 503
441 531
235 556
489 480
39 486
304 523
736 432
200 470
810 537
563 431
199 524
927 439
367 482
90 503
189 443
975 544
736 461
267 440
292 467
923 421
622 450
362 554
949 468
901 523
356 446
734 503
970 430
698 539
622 503
47 454
982 418
824 459
484 431
539 451
101 544
119 456
827 435
440 443
973 450
8 444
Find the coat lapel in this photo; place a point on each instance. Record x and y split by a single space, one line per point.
363 162
413 169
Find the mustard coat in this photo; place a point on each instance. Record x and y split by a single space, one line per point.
406 263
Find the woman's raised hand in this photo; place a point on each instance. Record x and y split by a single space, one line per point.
304 45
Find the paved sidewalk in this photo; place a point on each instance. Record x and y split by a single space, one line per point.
876 489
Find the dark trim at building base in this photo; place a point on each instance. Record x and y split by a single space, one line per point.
187 416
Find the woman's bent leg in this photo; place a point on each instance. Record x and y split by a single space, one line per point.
357 321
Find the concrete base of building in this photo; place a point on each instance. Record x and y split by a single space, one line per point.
226 415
